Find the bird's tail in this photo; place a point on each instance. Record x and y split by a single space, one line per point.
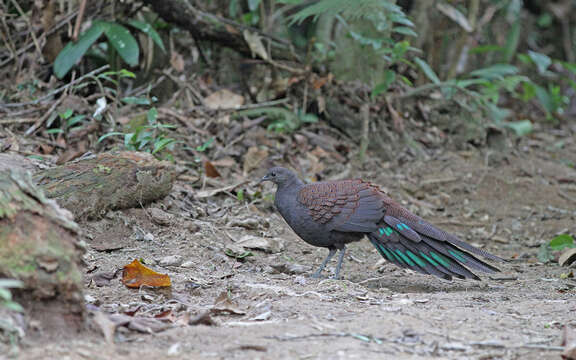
430 256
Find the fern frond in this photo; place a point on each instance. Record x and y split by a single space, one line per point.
351 10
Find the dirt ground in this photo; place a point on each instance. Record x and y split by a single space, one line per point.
508 204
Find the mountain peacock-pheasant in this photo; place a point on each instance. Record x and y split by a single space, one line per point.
334 213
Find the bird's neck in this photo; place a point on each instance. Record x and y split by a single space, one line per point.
292 186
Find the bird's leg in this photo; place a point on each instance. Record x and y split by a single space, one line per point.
323 265
340 259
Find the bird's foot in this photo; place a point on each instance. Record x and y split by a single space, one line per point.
316 275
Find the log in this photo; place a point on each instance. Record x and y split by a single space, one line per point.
109 181
208 27
39 247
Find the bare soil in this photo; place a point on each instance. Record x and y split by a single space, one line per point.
508 204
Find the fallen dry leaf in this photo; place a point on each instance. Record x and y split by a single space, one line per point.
177 61
210 170
223 304
135 275
103 278
224 99
144 325
255 44
269 245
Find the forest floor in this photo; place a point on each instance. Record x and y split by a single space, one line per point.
507 204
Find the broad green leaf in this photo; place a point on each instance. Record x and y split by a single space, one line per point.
54 131
253 4
427 70
544 99
115 133
11 283
152 115
542 61
73 52
485 48
150 31
521 128
126 73
75 120
512 41
136 100
495 71
160 145
5 294
562 241
205 146
11 305
66 114
404 30
124 43
389 77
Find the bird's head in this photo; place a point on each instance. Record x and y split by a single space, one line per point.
279 176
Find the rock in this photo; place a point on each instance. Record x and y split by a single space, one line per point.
269 245
291 269
249 223
188 264
172 260
160 217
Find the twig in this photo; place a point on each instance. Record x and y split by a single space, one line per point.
372 279
182 119
79 19
27 19
44 117
244 107
18 121
59 90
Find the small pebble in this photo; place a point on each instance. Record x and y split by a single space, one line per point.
171 260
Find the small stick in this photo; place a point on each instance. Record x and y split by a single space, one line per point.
79 19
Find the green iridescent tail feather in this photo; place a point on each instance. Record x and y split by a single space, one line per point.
428 256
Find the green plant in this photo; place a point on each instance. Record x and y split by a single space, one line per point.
67 122
150 137
374 27
282 120
119 40
6 295
252 17
559 242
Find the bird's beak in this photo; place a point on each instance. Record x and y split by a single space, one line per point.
264 178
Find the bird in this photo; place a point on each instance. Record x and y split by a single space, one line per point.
332 214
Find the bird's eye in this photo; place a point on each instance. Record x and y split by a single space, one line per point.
273 174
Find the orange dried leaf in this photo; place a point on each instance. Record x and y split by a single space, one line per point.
135 275
210 170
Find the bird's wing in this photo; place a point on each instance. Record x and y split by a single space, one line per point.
347 205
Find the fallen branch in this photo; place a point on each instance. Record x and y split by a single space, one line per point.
208 27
